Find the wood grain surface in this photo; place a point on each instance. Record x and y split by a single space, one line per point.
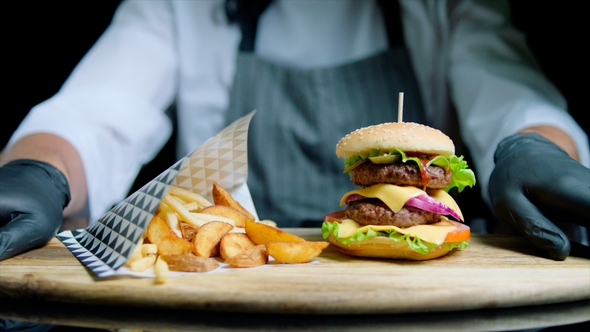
494 272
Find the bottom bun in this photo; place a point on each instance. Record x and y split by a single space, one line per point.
384 247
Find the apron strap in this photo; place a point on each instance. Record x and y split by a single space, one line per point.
246 13
393 22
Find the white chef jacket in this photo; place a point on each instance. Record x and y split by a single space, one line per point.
111 108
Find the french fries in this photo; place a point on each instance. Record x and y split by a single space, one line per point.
193 207
268 222
171 218
161 270
143 263
149 248
183 213
136 255
189 196
204 218
188 232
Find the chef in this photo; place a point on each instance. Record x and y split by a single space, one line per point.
313 71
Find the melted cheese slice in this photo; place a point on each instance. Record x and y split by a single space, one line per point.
396 196
393 196
433 233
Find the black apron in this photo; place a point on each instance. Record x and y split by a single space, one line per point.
294 175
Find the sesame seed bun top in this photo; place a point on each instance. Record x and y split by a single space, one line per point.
406 136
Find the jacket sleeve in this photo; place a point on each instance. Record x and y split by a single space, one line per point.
111 107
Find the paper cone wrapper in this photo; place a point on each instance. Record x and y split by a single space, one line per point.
105 245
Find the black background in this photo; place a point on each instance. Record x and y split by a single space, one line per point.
45 40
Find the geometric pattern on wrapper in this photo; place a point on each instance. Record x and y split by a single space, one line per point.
222 159
105 245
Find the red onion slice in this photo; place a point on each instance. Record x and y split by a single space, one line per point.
354 197
422 202
427 203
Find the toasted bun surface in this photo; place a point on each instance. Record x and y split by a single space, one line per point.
384 247
406 136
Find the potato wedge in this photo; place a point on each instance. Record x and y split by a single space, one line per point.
295 252
215 250
227 212
174 245
222 197
233 244
158 229
261 233
188 231
208 237
252 257
190 263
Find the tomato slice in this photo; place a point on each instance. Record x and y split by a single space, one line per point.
335 216
461 233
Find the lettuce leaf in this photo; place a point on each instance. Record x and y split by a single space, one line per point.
462 176
414 242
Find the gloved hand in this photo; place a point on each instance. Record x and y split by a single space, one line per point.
33 195
534 183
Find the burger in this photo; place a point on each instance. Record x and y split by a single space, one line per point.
402 208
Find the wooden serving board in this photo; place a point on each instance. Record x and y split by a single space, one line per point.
494 272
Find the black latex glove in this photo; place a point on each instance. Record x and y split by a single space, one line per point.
534 183
32 197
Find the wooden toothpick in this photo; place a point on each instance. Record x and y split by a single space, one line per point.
400 107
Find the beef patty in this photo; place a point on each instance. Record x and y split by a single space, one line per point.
372 211
401 174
